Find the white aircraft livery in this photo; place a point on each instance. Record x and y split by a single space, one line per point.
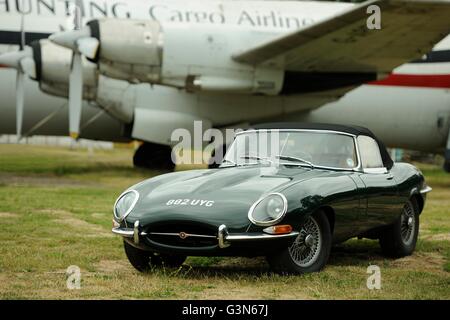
137 70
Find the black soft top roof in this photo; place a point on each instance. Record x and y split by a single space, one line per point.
351 129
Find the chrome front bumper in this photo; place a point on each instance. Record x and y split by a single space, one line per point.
426 189
223 237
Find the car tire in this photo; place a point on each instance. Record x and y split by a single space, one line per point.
314 243
143 260
400 238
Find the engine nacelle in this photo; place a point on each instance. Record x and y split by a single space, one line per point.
130 50
117 97
184 56
53 64
53 70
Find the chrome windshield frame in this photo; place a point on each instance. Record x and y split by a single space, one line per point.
357 168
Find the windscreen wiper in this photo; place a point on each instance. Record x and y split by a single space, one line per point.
254 157
289 158
229 161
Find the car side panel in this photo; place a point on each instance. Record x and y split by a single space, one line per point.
409 181
382 198
339 192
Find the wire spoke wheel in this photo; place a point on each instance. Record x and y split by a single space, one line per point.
407 223
306 248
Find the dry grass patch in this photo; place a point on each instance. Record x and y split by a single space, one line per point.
8 215
78 226
421 261
82 228
113 266
437 237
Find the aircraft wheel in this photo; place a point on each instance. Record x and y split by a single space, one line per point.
218 161
154 156
447 166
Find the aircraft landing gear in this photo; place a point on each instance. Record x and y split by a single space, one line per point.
154 156
217 159
447 155
447 161
447 166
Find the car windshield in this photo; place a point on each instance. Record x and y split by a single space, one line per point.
297 148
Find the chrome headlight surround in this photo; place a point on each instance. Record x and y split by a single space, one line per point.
121 217
264 201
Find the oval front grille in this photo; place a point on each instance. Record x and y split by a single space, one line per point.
183 235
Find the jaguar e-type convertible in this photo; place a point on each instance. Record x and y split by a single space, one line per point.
285 191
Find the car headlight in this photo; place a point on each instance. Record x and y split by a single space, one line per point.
125 203
268 210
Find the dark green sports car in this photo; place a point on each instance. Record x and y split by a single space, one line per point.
285 191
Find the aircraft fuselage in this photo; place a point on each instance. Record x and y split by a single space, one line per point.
414 114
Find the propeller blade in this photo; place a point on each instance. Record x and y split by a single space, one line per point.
22 28
28 66
80 42
23 62
75 95
88 47
20 97
20 80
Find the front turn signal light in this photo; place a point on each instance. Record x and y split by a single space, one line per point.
279 229
115 224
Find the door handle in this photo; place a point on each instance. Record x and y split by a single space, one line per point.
390 177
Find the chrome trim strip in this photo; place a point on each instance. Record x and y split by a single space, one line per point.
136 232
426 189
271 222
223 237
297 130
357 168
379 170
129 209
126 232
178 234
259 236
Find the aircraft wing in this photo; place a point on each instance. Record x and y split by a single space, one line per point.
344 43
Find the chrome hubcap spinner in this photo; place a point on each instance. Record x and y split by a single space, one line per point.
306 248
407 223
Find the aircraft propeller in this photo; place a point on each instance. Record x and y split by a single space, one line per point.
81 43
23 62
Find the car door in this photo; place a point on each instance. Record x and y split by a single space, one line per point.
380 189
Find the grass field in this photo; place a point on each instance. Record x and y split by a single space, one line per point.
55 211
